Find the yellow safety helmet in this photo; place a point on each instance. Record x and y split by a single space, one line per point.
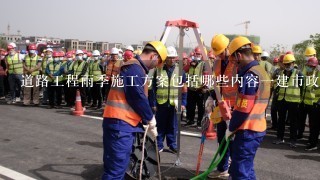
160 48
310 51
219 43
237 43
256 49
288 58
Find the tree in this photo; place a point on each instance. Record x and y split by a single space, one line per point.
276 51
3 44
299 48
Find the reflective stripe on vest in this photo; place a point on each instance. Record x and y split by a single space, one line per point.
95 71
196 75
117 105
229 89
292 92
256 120
308 94
170 92
77 69
32 63
15 65
53 68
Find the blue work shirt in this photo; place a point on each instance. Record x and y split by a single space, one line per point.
135 96
246 88
169 71
54 64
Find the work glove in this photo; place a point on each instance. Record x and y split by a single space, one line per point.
229 134
209 105
225 110
152 127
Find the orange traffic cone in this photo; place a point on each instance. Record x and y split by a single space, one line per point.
211 134
78 111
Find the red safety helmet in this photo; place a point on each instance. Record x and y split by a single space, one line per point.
55 54
312 62
89 54
128 55
191 54
85 51
276 60
32 47
9 47
69 55
211 55
197 50
281 58
184 55
62 54
289 52
107 52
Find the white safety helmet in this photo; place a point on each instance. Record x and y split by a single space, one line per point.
49 49
120 51
79 52
265 54
130 48
13 44
95 53
115 51
172 52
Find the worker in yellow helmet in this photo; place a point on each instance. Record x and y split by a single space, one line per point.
127 109
248 122
289 99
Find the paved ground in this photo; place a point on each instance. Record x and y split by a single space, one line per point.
52 144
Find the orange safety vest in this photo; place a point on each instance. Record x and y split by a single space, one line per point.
229 90
113 69
117 105
256 120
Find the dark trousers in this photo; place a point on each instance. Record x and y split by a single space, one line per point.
314 124
304 110
15 82
2 86
292 109
195 98
73 94
221 132
167 126
67 95
96 93
274 111
88 93
54 92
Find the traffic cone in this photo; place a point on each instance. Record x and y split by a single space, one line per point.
211 134
78 110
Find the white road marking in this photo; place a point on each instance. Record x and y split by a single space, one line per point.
13 174
182 132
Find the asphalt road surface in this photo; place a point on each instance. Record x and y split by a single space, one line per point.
52 144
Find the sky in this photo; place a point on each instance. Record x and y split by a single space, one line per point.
284 22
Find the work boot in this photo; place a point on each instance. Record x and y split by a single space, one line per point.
293 144
278 141
311 148
190 123
174 150
217 174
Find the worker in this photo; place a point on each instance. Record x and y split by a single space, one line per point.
120 54
186 62
128 55
310 52
289 98
79 68
96 72
47 58
248 123
31 66
112 69
211 57
15 71
196 89
314 119
166 99
127 108
3 74
223 67
275 89
54 82
309 103
66 65
262 58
